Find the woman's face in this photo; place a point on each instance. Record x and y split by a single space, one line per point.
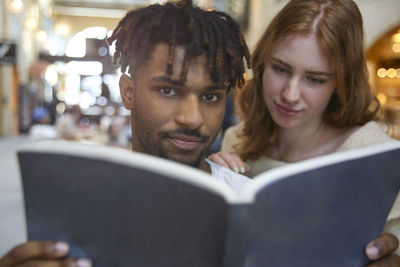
298 82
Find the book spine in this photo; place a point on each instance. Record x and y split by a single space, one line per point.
237 236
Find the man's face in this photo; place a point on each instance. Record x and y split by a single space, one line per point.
170 119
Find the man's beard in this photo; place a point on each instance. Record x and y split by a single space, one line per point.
194 162
145 140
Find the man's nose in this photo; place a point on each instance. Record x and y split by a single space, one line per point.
291 92
190 113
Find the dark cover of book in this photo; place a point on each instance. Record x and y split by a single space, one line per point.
122 208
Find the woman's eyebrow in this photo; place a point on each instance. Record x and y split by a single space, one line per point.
313 72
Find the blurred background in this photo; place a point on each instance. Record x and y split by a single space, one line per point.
57 79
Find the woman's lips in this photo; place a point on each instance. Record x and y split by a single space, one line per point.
287 110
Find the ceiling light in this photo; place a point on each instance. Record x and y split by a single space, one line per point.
41 36
381 73
391 73
16 6
62 29
31 23
396 47
396 38
51 75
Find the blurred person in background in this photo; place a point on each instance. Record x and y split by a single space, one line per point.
117 133
68 125
41 128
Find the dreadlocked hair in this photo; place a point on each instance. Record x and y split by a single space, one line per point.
198 31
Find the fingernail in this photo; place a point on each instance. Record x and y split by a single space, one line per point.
372 252
84 263
236 169
61 247
242 169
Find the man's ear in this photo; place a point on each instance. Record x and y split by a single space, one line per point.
126 88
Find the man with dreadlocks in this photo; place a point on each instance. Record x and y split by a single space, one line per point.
181 61
178 78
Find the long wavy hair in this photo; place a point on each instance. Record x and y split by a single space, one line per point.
338 26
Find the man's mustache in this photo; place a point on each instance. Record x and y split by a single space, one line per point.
186 132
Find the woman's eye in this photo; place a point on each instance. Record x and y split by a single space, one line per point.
315 80
211 97
279 69
168 92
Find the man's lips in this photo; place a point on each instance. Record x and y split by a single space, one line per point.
287 110
186 142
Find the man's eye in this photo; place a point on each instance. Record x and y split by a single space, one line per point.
211 97
168 92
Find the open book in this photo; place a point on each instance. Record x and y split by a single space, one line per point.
121 208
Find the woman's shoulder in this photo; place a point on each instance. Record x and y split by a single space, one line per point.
232 138
263 164
368 134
